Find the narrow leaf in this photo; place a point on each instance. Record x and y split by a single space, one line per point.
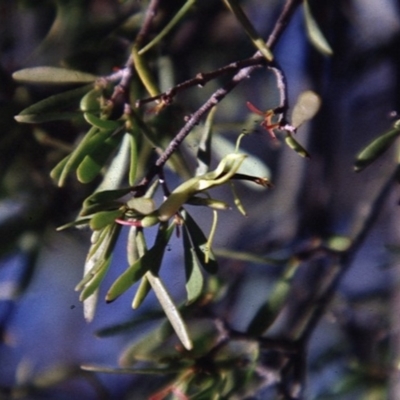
103 218
94 162
375 149
133 162
57 102
199 242
88 144
53 75
151 260
252 165
95 282
40 118
194 276
314 33
296 146
257 40
170 309
174 21
204 150
104 124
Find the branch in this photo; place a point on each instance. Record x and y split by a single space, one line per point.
283 20
347 257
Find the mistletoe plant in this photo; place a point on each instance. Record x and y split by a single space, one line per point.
123 156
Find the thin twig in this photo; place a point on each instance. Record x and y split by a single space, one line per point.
284 18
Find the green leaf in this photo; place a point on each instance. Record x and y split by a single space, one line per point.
296 146
375 149
103 218
141 293
306 107
251 165
133 163
77 222
103 201
95 282
257 40
227 167
40 118
174 21
170 309
52 75
103 124
57 171
88 144
90 102
52 108
99 252
93 162
151 260
194 276
314 33
199 243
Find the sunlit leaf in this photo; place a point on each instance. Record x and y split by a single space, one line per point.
251 165
52 75
103 218
151 260
314 33
375 149
141 293
95 282
228 166
170 309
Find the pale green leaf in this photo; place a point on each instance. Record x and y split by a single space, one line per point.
103 218
52 75
150 260
252 165
306 107
314 33
170 309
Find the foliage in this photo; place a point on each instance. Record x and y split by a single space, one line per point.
127 140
